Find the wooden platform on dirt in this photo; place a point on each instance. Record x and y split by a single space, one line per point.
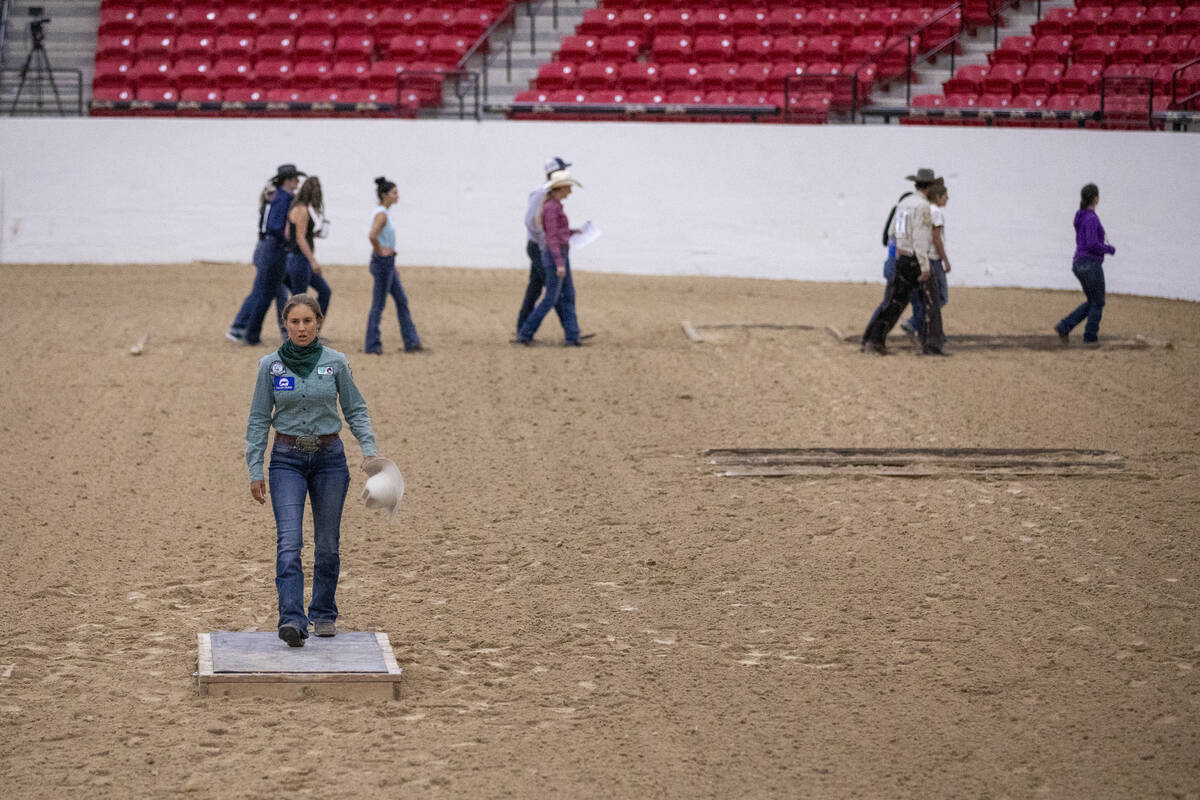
914 462
1013 341
349 665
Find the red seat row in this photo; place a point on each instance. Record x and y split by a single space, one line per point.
213 19
446 48
1097 49
1122 20
1046 79
711 49
880 19
1119 112
267 73
592 76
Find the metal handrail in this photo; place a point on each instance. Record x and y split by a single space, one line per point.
914 35
5 15
1176 100
64 102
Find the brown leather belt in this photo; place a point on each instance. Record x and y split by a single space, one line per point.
308 442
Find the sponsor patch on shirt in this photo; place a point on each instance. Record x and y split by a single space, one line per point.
284 383
325 370
276 367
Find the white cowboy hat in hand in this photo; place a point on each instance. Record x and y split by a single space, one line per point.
385 487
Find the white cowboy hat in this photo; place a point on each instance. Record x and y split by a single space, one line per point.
385 487
559 178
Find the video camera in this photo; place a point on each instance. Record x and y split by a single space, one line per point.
37 26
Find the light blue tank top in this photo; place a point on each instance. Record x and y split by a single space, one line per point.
387 235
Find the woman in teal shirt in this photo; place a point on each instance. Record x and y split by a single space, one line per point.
387 279
298 391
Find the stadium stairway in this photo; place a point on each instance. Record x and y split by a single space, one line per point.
70 43
927 78
531 46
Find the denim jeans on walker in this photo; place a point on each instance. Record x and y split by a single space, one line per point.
387 282
300 276
295 474
940 289
534 289
560 295
268 278
242 320
1090 273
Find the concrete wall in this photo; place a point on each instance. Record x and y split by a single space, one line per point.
804 203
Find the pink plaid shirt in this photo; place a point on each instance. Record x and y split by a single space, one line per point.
558 230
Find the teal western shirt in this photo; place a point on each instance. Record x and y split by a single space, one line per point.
297 406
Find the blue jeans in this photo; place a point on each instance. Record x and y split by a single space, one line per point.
560 295
939 290
889 271
387 282
268 280
242 320
323 476
534 289
1090 273
300 276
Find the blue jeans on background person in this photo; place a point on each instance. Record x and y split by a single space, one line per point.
240 322
323 476
940 289
300 276
534 289
560 295
387 282
268 279
1090 273
889 271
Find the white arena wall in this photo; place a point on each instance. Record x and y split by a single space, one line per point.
765 201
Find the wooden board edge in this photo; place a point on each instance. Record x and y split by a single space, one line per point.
389 658
299 677
204 657
690 331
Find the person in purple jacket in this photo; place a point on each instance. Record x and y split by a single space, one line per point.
1088 266
556 264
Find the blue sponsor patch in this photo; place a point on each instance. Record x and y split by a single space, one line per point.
284 383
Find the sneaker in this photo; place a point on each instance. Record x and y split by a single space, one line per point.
292 635
1063 338
519 340
418 349
909 331
324 627
234 336
935 351
874 348
583 337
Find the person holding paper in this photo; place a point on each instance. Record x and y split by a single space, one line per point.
556 264
535 242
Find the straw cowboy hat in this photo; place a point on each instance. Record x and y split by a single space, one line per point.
385 487
560 178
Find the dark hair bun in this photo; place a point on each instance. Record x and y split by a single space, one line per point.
381 181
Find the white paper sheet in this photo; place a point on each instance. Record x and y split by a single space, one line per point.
587 234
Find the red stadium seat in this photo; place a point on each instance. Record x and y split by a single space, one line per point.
635 22
849 22
117 46
752 77
318 20
579 48
1135 49
968 80
881 21
408 47
619 48
784 21
1013 50
745 21
1042 79
1003 79
155 45
789 50
192 73
717 76
680 76
1056 21
159 21
350 74
673 22
272 72
235 46
311 74
393 21
234 73
200 19
448 49
818 22
1157 20
710 21
280 21
243 94
598 22
1096 49
647 97
754 47
1173 48
274 45
152 73
671 47
1121 21
1053 48
354 46
237 20
825 48
156 94
597 75
113 73
682 97
709 48
434 21
555 75
1080 79
200 94
1087 19
383 75
471 22
355 21
994 100
1188 21
861 48
118 20
315 46
638 75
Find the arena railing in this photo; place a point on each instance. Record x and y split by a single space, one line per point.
1192 99
41 92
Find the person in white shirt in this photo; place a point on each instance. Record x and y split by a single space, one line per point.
913 228
939 262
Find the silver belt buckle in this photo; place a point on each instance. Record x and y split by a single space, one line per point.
308 442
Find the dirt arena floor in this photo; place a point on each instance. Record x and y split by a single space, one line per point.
583 608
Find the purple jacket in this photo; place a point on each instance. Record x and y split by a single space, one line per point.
558 230
1089 237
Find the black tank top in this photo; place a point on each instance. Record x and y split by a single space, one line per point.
308 235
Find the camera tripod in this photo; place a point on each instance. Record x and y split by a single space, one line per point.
38 63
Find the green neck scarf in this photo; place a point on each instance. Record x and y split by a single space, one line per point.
301 360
